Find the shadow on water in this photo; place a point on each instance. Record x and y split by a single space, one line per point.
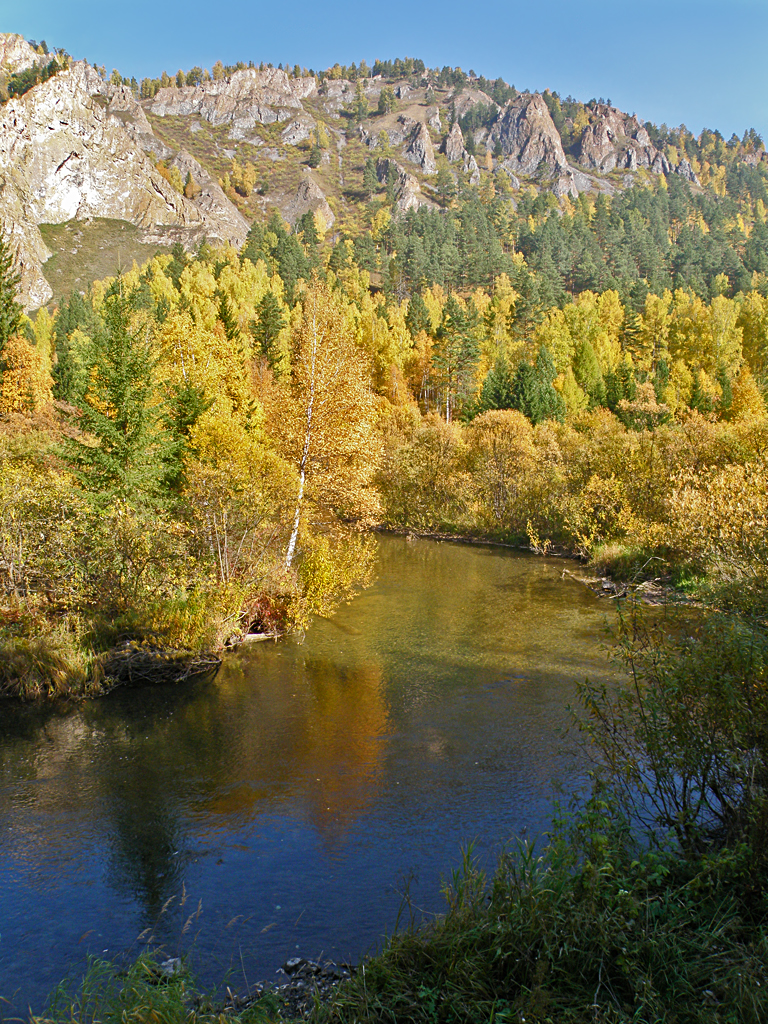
294 792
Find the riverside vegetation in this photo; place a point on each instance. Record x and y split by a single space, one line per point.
195 451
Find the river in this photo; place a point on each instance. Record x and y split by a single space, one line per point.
286 807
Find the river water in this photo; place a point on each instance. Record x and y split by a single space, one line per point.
286 807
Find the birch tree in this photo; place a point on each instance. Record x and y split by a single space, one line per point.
324 417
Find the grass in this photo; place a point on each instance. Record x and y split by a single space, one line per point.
87 251
145 993
43 656
626 562
545 940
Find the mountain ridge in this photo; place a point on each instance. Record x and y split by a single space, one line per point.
184 162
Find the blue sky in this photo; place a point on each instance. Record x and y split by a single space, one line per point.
681 61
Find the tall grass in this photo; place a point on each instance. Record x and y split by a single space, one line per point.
547 940
144 993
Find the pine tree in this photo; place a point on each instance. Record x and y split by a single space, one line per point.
360 105
417 317
456 354
370 179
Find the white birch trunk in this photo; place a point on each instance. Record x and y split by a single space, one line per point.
305 448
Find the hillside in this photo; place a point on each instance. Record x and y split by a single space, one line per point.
205 155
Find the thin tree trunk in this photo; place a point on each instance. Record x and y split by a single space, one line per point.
305 448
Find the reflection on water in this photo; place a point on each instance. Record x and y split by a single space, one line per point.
294 793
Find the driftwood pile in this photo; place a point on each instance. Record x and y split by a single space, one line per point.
141 664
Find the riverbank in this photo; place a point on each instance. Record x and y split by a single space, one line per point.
585 931
47 655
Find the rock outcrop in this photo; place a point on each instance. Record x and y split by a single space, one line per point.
471 168
65 155
469 98
16 54
338 92
419 149
453 146
248 98
685 170
408 194
616 140
309 197
433 119
528 138
298 131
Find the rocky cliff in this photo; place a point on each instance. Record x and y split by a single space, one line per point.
16 54
76 147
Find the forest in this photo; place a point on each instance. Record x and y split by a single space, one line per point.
200 449
221 429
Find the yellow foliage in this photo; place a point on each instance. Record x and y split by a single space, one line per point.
380 222
43 330
324 420
26 380
753 321
435 299
501 450
747 402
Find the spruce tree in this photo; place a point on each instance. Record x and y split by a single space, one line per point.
123 446
532 390
266 328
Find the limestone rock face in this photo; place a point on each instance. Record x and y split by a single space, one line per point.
309 197
65 155
419 149
408 194
433 119
660 164
614 139
528 137
248 98
16 54
298 131
471 168
453 147
338 92
685 170
211 201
